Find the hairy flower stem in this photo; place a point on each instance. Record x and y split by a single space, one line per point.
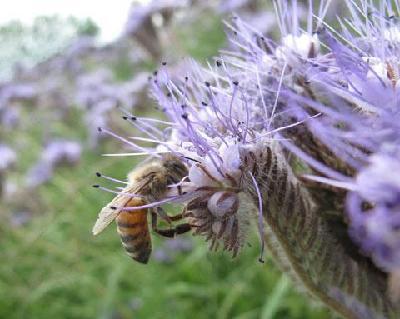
305 245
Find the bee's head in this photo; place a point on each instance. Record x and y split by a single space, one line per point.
174 167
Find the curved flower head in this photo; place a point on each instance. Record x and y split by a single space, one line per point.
217 116
226 122
355 88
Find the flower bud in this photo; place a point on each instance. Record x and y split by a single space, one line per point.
222 203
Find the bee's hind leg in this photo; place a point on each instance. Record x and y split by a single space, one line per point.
179 229
163 232
163 214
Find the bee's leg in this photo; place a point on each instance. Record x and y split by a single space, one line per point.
183 228
163 232
176 217
179 229
161 212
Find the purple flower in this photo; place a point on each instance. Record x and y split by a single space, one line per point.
179 245
9 117
39 174
330 99
16 92
218 118
55 153
80 47
62 151
171 249
377 227
162 256
354 89
94 88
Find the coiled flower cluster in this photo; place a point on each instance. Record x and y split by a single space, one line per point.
319 112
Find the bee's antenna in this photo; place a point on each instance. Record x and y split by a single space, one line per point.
98 174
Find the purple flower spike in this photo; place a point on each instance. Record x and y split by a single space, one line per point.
355 89
331 99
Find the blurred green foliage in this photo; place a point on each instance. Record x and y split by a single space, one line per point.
30 44
54 268
201 42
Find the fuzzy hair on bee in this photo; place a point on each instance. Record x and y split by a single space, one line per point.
147 183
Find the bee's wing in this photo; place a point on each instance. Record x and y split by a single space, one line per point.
111 211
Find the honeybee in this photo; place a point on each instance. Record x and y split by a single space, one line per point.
150 183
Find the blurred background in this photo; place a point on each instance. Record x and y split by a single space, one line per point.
67 67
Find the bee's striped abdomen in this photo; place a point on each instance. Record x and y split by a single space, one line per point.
133 228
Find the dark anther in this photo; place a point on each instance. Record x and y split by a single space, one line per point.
113 207
235 32
235 83
98 174
164 63
204 103
96 186
191 159
208 84
186 78
219 63
133 118
155 73
183 106
125 117
169 94
185 116
99 129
